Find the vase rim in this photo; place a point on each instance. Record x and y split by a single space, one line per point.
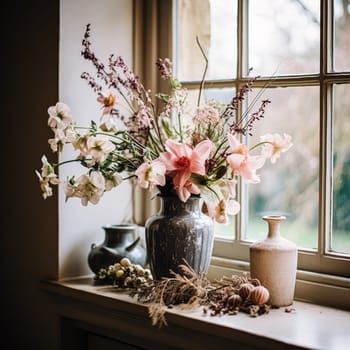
164 195
121 226
274 217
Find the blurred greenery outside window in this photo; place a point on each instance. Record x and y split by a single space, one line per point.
301 49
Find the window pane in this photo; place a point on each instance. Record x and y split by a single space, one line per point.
290 186
342 33
214 22
284 36
223 95
341 171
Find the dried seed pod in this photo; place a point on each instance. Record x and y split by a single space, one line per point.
259 295
245 290
234 301
117 267
125 262
119 273
139 270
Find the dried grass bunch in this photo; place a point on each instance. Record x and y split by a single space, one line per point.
229 295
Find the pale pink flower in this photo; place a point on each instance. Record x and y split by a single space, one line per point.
221 212
142 118
151 174
113 181
48 172
206 114
60 116
90 187
99 147
217 211
274 145
80 144
108 100
233 207
71 189
61 138
181 160
58 141
242 163
220 209
47 177
110 123
219 199
44 185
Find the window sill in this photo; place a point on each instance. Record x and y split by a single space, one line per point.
116 315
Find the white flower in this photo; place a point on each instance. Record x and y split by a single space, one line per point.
274 145
44 185
80 144
60 116
150 174
99 147
110 123
58 141
71 189
113 181
48 172
90 188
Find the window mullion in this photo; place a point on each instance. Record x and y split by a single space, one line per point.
242 69
326 116
325 193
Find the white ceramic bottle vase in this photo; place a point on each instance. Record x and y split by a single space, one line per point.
273 261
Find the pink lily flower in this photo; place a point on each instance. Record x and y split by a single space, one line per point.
181 160
242 163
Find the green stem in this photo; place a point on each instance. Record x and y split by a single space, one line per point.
180 126
56 165
204 73
258 145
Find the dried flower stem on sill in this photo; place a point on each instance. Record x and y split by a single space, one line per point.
190 290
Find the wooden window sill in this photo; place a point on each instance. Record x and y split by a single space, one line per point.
115 315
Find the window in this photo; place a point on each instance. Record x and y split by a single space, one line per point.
303 46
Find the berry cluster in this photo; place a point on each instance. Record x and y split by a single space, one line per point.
125 275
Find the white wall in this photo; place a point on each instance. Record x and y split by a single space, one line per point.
111 32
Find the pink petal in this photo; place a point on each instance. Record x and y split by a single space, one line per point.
203 149
233 142
183 193
168 160
200 154
235 161
181 178
178 149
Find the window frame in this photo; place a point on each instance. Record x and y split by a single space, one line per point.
322 278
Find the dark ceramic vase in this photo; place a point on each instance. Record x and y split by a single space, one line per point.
179 231
119 243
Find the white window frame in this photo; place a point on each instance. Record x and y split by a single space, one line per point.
323 268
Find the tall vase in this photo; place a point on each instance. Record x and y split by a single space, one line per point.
273 261
180 231
119 242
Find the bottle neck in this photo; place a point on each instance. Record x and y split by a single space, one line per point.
273 225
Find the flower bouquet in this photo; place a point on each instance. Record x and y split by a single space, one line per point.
178 151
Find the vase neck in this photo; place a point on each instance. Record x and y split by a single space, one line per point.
116 234
274 222
171 205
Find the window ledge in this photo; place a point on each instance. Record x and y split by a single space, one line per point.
115 314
